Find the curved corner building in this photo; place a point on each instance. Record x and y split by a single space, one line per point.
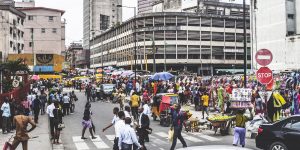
201 43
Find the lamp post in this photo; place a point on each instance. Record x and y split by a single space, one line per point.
165 62
245 43
201 67
134 35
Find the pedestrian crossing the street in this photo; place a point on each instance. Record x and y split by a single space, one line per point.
158 140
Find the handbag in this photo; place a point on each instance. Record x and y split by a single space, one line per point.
61 125
149 130
171 134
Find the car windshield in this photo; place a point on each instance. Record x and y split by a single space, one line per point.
108 87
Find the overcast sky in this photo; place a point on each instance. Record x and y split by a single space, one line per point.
74 13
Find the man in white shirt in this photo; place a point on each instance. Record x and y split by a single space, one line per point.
114 120
50 109
118 126
146 109
128 137
127 112
66 106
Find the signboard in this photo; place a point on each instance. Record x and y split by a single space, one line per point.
264 75
15 83
241 94
44 59
264 57
241 98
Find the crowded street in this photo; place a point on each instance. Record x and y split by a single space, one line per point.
149 74
102 115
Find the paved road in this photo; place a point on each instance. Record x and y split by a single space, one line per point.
102 115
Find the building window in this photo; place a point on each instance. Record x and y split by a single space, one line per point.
43 30
51 18
54 30
289 33
30 17
30 44
290 16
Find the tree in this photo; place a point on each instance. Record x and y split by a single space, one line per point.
10 69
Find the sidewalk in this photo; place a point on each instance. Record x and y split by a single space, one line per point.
41 142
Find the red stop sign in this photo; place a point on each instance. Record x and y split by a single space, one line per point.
264 75
264 57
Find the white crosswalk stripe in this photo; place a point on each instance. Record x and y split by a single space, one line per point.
157 139
110 137
79 143
81 146
190 138
207 137
99 143
162 134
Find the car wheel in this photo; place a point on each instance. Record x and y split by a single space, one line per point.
278 146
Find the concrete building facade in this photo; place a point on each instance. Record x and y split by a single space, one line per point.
202 43
98 16
11 30
278 29
44 30
77 56
145 6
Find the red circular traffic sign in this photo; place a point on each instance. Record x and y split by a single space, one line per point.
264 57
264 75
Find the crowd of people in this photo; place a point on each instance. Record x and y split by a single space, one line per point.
47 96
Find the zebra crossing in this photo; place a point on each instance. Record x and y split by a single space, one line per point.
158 140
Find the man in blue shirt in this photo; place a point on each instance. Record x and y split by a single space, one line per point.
5 108
177 121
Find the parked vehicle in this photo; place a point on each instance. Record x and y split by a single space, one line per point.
165 100
106 91
282 135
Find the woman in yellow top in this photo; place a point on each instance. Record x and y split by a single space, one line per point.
240 128
134 104
205 103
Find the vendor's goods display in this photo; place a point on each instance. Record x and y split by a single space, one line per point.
241 98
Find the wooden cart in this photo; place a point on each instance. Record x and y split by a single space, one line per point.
224 126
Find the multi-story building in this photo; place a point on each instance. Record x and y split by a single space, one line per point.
77 56
44 30
11 29
98 16
145 6
25 3
277 28
207 42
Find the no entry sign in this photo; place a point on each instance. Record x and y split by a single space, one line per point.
264 57
264 75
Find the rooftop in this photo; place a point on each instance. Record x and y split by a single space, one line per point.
45 8
12 9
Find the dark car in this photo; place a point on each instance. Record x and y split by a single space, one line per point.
282 135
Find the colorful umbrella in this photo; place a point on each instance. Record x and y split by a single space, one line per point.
127 73
162 76
35 77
